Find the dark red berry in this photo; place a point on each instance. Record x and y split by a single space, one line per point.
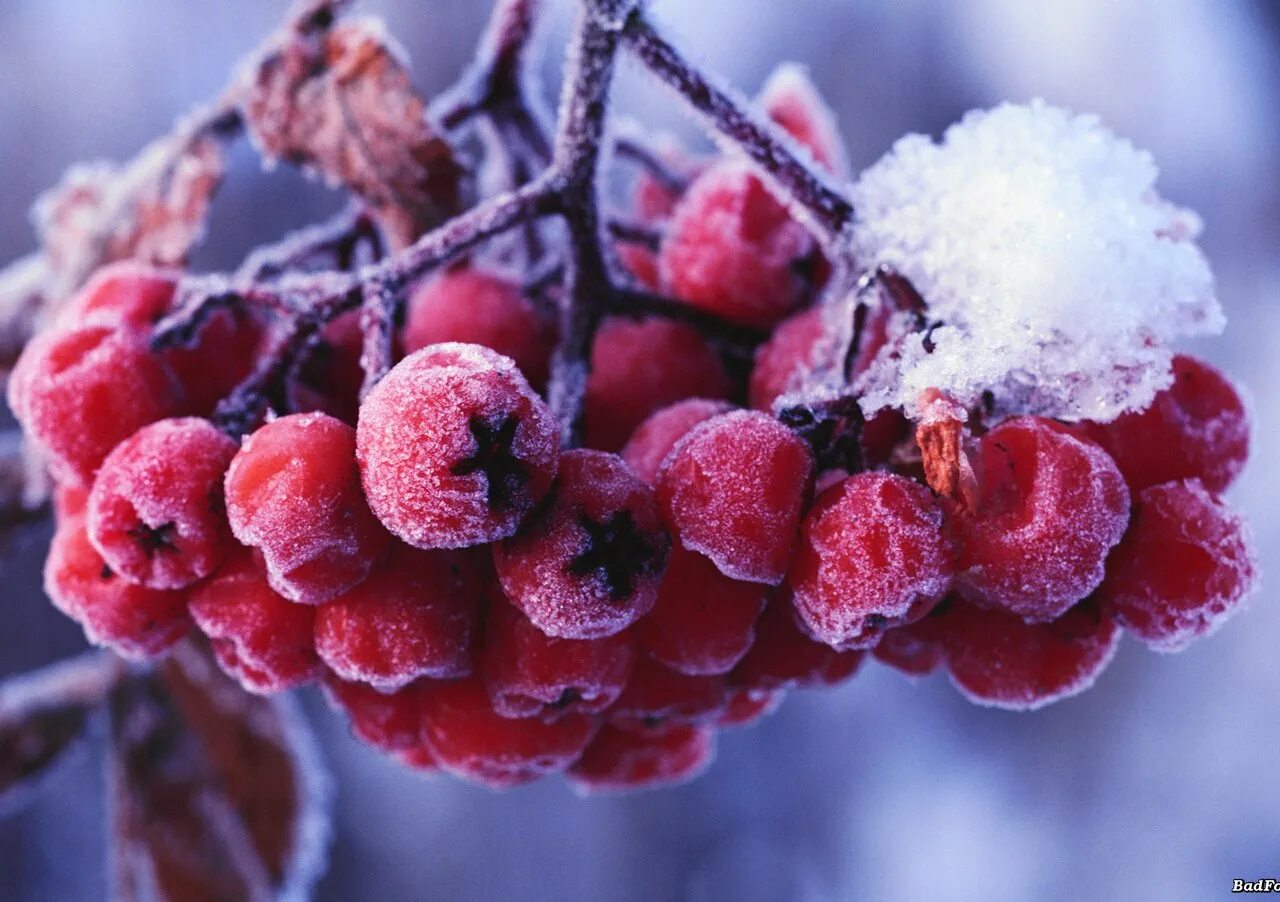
388 721
455 449
914 648
747 706
330 377
588 563
783 657
658 696
621 761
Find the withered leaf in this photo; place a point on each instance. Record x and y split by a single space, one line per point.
338 101
215 793
42 715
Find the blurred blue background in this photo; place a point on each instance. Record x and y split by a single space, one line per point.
1162 782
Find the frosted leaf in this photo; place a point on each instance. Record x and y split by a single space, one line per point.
1056 275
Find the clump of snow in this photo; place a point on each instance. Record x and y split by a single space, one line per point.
1057 273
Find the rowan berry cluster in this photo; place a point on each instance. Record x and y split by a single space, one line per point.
482 599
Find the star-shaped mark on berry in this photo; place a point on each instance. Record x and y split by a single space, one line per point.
505 473
616 551
154 539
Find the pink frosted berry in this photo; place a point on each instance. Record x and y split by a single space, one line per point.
791 99
588 563
156 512
650 444
1184 566
390 721
785 357
293 492
872 555
733 489
455 449
1051 507
622 761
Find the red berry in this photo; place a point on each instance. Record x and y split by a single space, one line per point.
588 563
469 305
638 367
785 358
747 706
70 500
1182 569
470 740
703 622
389 721
653 440
134 621
156 513
872 555
419 758
455 449
733 489
416 615
1197 428
732 249
1051 507
258 637
330 378
791 99
530 674
127 294
915 648
620 761
783 657
997 659
658 696
79 393
293 492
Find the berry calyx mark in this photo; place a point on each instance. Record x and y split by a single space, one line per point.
616 551
154 539
505 473
567 698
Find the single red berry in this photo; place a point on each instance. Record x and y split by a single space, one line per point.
873 554
733 489
470 740
156 512
258 637
658 696
293 492
998 659
1051 507
1197 428
330 377
732 249
703 622
70 499
388 721
785 358
746 707
417 615
469 305
621 761
587 564
783 657
419 758
1183 568
914 648
641 366
531 674
653 440
792 100
455 449
126 294
132 620
80 392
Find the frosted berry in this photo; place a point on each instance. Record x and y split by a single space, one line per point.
1051 507
733 489
80 392
1182 569
785 358
293 492
469 305
531 674
914 648
132 620
622 761
1197 428
747 706
872 555
658 696
258 637
791 99
417 615
70 499
783 657
588 563
997 659
653 440
703 622
470 740
640 366
127 294
455 449
156 512
732 249
388 721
